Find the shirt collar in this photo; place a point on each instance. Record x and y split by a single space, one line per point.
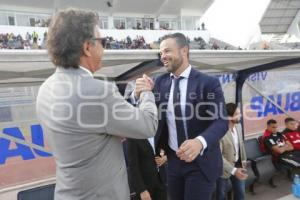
185 73
233 129
85 69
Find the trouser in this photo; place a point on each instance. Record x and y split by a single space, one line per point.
186 181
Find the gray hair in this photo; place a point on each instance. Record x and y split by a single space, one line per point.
68 31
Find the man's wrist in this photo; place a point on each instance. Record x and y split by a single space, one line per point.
233 171
135 100
203 142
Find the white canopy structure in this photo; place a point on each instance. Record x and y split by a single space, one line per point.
19 67
171 7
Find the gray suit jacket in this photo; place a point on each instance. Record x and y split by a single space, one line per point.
228 151
84 120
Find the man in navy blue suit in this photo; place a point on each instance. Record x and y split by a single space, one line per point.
192 121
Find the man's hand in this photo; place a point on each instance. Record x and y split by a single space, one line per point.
240 174
189 150
244 164
145 195
143 84
161 159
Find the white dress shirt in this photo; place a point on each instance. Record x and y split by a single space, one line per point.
170 111
235 142
85 69
151 141
235 137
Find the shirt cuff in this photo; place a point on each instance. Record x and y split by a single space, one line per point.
233 171
134 101
203 142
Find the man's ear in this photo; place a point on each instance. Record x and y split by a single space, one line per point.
185 50
87 48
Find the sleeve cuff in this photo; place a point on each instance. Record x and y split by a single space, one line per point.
203 142
233 171
133 99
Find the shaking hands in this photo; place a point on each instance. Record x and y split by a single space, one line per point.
143 84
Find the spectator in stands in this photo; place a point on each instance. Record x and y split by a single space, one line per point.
43 45
215 46
1 38
203 26
156 24
10 41
19 42
129 41
280 148
265 46
35 35
35 43
3 41
122 25
291 132
234 157
40 43
139 26
201 42
28 37
188 39
27 45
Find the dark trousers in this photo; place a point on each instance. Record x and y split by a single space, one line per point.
186 181
159 193
223 185
238 186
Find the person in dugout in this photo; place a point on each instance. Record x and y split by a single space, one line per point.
279 146
292 133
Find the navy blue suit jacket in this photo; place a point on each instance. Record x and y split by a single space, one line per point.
205 94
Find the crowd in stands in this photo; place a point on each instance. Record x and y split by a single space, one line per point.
35 41
31 41
127 43
153 26
42 23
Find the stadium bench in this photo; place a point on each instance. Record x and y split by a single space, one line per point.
45 192
261 163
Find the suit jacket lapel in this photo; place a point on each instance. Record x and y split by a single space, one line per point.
240 139
191 89
231 139
156 137
165 89
162 99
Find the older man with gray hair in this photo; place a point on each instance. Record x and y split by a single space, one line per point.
84 118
